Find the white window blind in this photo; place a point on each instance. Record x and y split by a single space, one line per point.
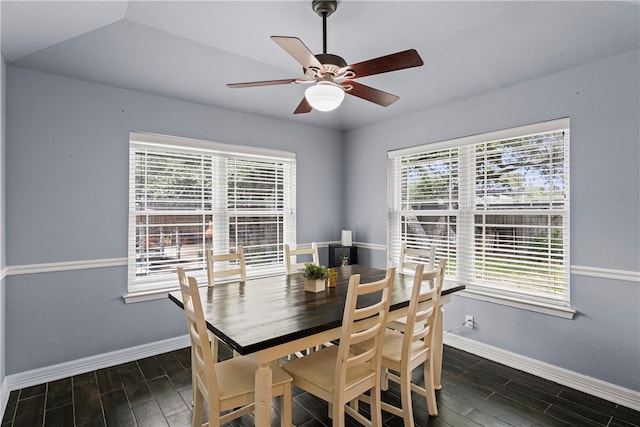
189 195
495 205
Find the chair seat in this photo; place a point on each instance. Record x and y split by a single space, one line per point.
236 377
392 347
318 368
398 324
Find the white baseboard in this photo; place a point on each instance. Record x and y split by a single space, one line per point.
88 364
595 387
4 397
611 392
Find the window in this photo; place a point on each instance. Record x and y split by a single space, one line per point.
495 205
187 195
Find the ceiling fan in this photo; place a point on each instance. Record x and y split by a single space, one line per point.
330 75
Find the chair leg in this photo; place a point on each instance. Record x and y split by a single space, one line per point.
430 389
405 396
337 413
213 343
214 348
285 416
193 377
198 408
375 406
384 379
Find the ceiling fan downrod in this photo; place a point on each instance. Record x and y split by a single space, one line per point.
324 8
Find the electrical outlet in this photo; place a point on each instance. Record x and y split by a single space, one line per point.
468 321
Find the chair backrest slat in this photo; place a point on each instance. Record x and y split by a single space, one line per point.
410 258
235 262
293 266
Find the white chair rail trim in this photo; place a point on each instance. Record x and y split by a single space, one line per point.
372 246
52 267
606 273
49 267
593 386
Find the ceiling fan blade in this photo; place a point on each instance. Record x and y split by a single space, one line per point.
396 61
266 83
294 47
303 107
370 94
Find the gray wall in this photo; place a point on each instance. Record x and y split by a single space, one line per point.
602 100
2 219
67 200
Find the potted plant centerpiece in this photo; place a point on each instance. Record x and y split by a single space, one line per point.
315 276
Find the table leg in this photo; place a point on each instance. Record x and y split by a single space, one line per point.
437 350
263 395
194 381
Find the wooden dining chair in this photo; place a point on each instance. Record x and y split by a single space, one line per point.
341 374
403 352
410 258
235 267
227 388
295 265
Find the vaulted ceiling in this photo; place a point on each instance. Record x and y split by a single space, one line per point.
190 50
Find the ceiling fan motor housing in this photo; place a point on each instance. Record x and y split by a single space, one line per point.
331 63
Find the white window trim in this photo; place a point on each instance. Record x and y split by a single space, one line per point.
538 307
189 145
516 132
143 290
563 311
161 293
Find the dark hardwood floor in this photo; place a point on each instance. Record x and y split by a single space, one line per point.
156 391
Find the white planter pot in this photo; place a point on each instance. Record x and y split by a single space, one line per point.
314 285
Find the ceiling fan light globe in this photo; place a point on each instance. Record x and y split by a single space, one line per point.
324 97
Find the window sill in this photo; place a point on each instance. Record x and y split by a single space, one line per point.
161 292
133 297
552 310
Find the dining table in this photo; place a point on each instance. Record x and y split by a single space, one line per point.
272 317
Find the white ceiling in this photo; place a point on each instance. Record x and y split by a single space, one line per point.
189 50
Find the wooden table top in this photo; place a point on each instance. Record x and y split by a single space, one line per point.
264 312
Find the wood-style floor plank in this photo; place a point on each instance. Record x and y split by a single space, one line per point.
59 393
30 411
89 410
59 416
136 386
168 397
117 411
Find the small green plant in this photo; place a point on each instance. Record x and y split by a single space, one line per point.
315 272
